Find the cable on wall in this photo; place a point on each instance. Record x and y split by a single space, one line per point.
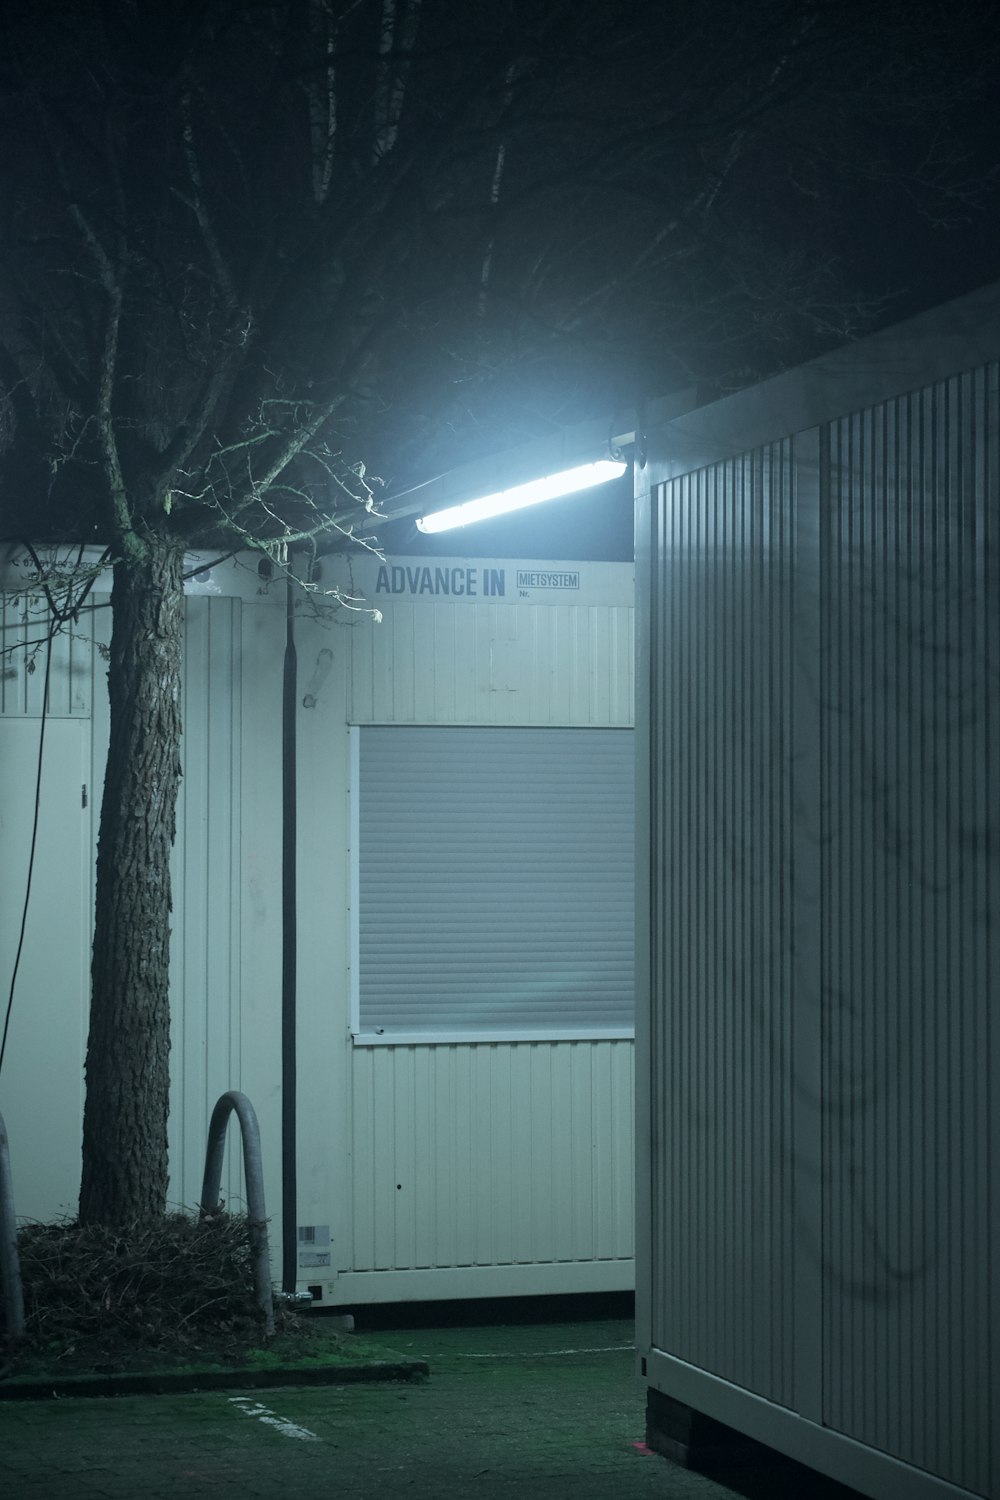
59 616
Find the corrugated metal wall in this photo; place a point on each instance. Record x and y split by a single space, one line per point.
536 1137
205 956
48 1018
911 908
41 1087
206 1053
824 745
22 655
477 663
722 638
492 1154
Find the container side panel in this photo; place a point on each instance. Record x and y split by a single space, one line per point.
495 1154
362 1216
425 1249
23 632
721 738
205 990
324 900
912 880
504 1172
623 1151
582 1185
519 1150
487 1203
385 1131
493 664
41 1090
258 1034
492 1154
823 732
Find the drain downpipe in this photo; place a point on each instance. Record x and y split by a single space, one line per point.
289 951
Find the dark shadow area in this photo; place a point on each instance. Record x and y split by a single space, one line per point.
480 1312
774 1477
695 1441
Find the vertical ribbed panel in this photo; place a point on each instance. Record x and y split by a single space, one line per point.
506 1153
205 966
205 987
493 664
41 1089
512 1155
499 1154
824 908
721 830
911 921
23 625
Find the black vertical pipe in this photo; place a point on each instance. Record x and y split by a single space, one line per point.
289 954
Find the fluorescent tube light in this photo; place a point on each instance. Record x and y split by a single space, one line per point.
550 488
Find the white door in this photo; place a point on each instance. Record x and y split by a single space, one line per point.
41 1083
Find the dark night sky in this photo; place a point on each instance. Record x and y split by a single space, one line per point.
895 252
902 257
913 263
931 268
722 306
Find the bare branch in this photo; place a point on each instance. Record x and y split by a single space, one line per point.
321 91
397 36
107 372
199 207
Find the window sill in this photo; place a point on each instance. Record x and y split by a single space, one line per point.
484 1038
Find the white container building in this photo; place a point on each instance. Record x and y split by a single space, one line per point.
464 998
818 1047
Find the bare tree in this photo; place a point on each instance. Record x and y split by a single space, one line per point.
254 248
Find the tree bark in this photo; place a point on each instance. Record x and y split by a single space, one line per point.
125 1115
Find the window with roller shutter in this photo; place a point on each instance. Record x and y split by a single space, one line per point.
493 882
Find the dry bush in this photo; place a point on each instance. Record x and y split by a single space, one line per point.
173 1286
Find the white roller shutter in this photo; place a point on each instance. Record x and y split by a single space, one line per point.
495 886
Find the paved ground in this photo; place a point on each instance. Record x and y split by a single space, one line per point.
549 1410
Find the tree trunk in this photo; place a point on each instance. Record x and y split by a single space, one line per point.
125 1115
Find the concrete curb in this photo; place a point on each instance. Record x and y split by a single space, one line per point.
168 1382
